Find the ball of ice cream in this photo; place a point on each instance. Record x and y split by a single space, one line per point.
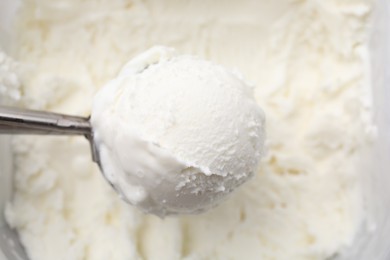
176 134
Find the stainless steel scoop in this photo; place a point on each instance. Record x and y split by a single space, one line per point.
32 122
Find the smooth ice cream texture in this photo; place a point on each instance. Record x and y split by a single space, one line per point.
176 134
308 61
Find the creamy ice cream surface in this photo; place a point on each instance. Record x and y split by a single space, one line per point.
308 62
177 134
9 78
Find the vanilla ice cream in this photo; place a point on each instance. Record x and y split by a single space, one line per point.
308 61
9 78
176 134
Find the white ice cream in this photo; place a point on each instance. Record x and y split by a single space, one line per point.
9 78
308 60
177 134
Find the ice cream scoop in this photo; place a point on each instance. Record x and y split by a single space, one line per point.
176 134
173 134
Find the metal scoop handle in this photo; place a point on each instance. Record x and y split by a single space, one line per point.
32 122
22 121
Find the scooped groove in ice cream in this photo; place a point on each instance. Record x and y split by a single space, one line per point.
177 134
